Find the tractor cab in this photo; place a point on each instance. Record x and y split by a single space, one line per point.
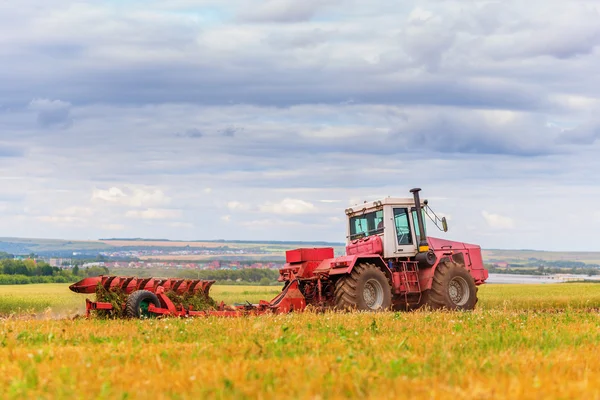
395 221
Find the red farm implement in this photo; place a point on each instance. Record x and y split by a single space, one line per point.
390 263
146 297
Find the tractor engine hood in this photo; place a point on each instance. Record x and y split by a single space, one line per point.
443 244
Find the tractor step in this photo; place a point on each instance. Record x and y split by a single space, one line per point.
406 278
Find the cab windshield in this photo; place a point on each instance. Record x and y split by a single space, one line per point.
366 224
417 230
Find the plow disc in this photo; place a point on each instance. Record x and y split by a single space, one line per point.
151 297
130 284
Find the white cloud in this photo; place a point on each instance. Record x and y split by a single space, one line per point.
237 206
153 213
185 225
271 223
111 195
288 207
76 211
419 15
60 219
226 218
113 227
131 196
497 221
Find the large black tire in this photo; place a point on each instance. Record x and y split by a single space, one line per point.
366 288
138 302
453 288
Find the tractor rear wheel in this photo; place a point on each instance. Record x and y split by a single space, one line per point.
366 288
453 288
138 302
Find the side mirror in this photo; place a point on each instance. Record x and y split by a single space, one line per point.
444 224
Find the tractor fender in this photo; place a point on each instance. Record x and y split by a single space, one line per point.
426 274
345 264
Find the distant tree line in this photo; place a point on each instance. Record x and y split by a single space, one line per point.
253 276
29 271
541 270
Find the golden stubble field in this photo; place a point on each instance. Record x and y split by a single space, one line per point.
524 341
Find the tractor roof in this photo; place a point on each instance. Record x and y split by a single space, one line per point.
394 201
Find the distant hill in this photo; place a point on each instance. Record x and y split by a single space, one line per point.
282 242
235 248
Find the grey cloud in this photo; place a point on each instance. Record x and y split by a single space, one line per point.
230 131
426 40
10 151
299 38
564 44
52 113
191 133
423 63
324 87
586 134
281 10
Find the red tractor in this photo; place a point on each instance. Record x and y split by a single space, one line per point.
390 263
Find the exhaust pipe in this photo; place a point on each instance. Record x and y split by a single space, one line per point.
425 256
423 245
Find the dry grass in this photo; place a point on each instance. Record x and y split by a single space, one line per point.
534 341
57 301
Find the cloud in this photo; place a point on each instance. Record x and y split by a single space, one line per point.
585 134
237 206
184 225
288 207
10 151
126 109
58 219
230 132
113 227
131 196
497 221
191 133
76 211
281 10
52 113
154 213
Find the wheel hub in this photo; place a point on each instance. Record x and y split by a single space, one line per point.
373 294
459 291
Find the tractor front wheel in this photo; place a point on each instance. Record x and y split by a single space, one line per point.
453 288
138 302
366 288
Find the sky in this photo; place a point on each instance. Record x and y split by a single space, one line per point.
265 119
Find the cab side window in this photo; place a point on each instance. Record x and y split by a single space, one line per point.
403 233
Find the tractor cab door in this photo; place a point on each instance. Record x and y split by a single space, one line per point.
404 235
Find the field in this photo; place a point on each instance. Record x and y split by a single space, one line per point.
523 341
